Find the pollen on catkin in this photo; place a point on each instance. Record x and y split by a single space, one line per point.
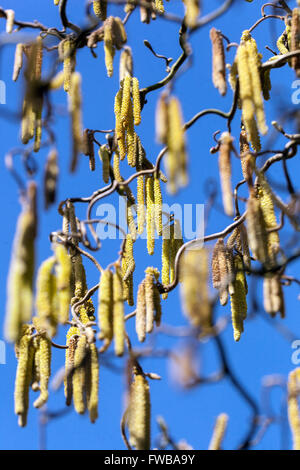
219 432
225 172
139 413
218 61
166 248
126 101
63 271
68 52
120 131
293 407
157 205
136 101
118 313
238 300
44 370
159 6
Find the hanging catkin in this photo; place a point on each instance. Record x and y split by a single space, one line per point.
161 119
44 370
139 413
72 339
119 129
93 385
295 40
273 295
166 247
140 318
220 271
247 160
10 20
50 178
68 57
18 63
76 118
128 267
78 381
105 159
293 407
218 64
225 172
192 12
150 214
157 205
126 64
46 297
219 432
256 229
118 313
25 352
21 271
63 271
136 101
105 303
100 8
149 296
238 300
194 288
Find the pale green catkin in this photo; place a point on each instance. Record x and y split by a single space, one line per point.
105 306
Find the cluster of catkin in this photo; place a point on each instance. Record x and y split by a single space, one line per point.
31 127
82 373
247 65
138 412
170 131
229 263
34 367
293 406
148 308
172 241
111 310
194 288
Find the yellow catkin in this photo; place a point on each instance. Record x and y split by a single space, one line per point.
238 300
165 270
283 41
105 159
157 205
18 63
218 61
141 216
109 49
257 235
131 138
126 64
140 318
129 257
176 242
105 306
21 271
293 407
136 101
247 160
267 207
68 63
76 117
149 294
126 101
45 306
161 119
79 375
56 2
120 131
139 413
100 8
10 20
176 157
150 215
192 12
118 314
72 338
36 365
159 6
23 376
194 288
57 81
63 272
219 432
295 39
220 271
44 370
273 295
92 400
225 172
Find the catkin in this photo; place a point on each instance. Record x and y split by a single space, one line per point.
220 271
293 407
118 314
105 306
159 6
192 12
105 159
139 413
23 375
76 117
157 205
150 214
109 49
18 63
72 338
44 370
257 235
10 20
149 296
141 216
63 270
120 131
219 432
166 247
21 271
126 101
225 172
78 381
128 267
295 40
161 119
194 288
50 178
247 160
68 62
126 64
100 8
218 64
93 395
140 318
273 295
136 101
45 300
238 300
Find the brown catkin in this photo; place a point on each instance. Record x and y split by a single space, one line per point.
225 172
10 20
293 407
118 313
295 40
105 159
140 318
139 413
219 432
218 68
50 178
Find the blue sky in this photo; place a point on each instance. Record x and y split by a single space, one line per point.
263 350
